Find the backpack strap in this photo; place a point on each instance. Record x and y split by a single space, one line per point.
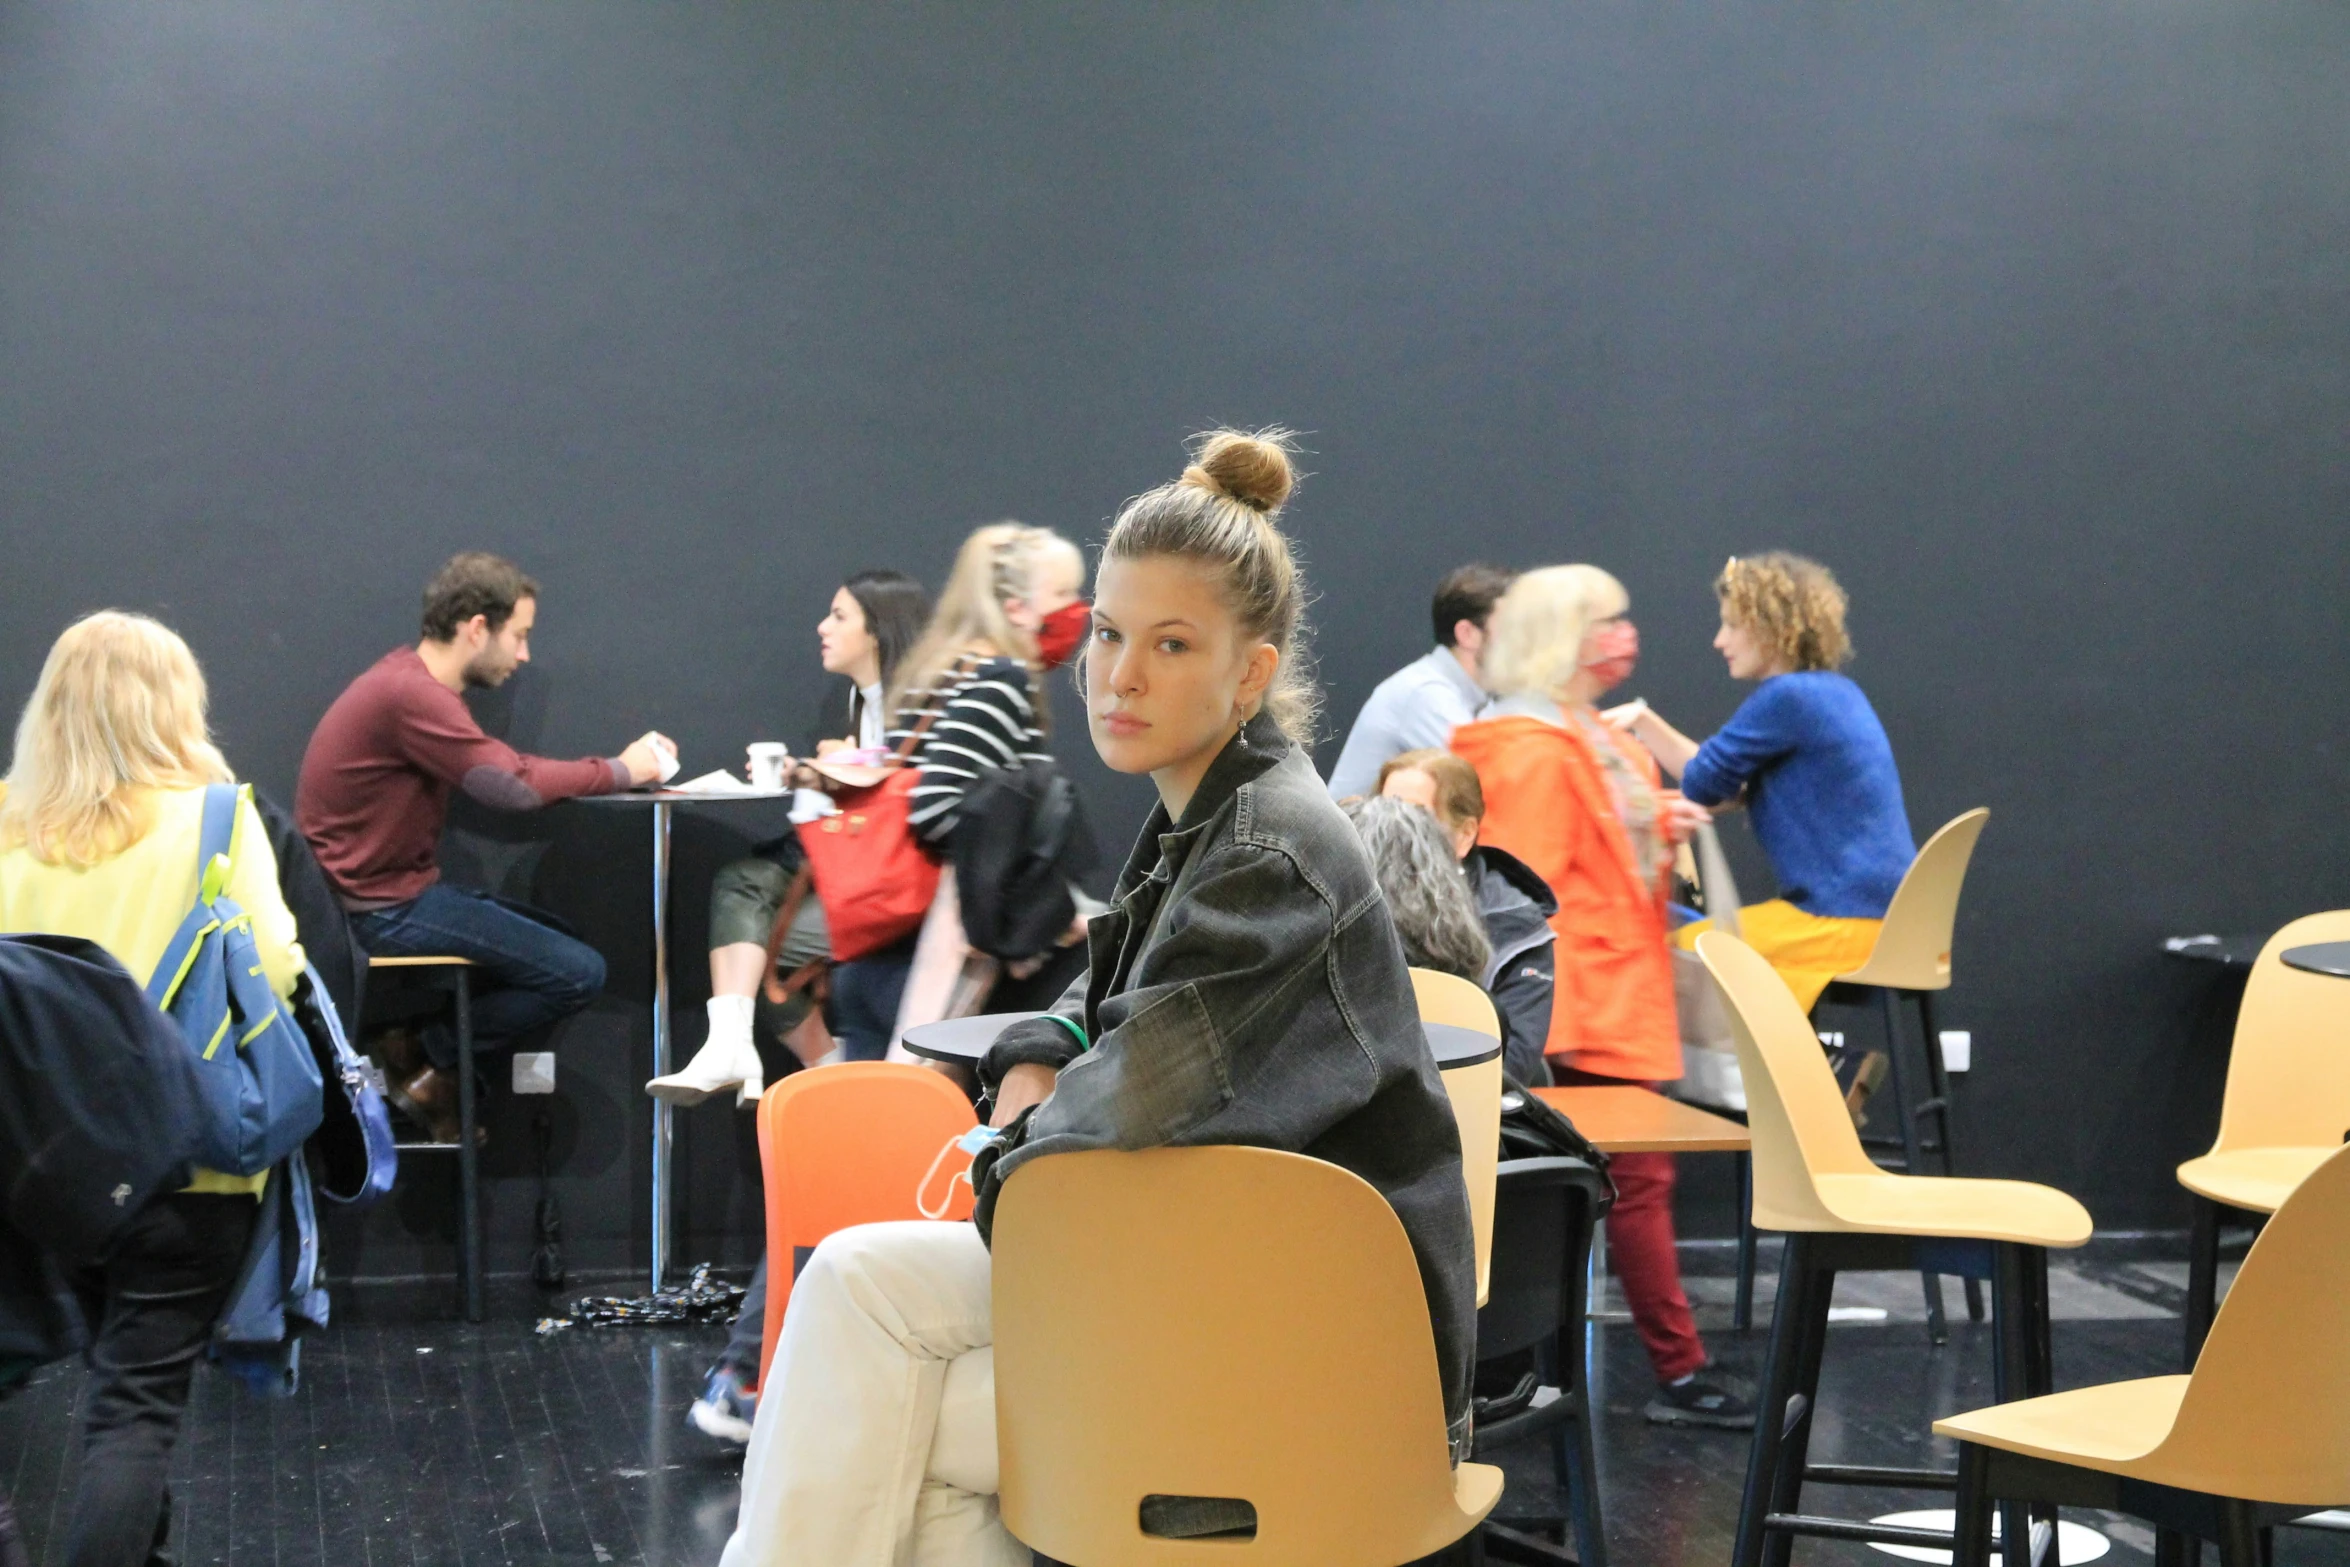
213 843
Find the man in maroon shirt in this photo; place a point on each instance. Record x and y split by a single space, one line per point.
374 795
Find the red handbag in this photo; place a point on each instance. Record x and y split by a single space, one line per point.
869 870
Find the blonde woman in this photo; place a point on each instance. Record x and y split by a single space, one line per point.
1579 804
99 830
1806 754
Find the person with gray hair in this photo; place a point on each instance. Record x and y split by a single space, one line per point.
1436 914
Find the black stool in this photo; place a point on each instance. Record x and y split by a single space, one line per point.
469 1264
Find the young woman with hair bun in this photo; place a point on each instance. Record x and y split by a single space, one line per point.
1247 899
1809 759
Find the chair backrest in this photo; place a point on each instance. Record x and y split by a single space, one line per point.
1448 998
2266 1415
1794 1111
1475 1092
848 1144
1223 1322
1913 948
2289 1073
1544 1211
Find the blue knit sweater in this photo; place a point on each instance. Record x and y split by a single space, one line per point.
1820 782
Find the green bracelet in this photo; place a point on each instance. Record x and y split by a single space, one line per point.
1083 1044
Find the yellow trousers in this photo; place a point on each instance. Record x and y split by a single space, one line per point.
1808 950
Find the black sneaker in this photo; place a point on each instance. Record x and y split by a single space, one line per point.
1698 1402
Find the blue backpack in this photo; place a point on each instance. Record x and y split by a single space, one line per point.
261 1089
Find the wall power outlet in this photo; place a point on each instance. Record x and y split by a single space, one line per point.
534 1071
1958 1049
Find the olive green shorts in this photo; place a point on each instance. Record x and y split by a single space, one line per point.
744 899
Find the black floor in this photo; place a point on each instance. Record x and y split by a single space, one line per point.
429 1442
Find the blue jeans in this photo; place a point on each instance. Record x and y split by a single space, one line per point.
865 996
526 974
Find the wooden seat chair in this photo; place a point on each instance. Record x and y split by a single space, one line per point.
1911 962
2286 1107
1475 1091
1219 1322
1815 1183
2258 1434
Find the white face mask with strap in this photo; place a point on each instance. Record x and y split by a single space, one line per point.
968 1144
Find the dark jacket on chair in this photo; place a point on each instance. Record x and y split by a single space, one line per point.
1246 986
1522 974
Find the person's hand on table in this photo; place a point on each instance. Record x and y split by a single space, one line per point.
1029 1083
827 747
644 756
1680 815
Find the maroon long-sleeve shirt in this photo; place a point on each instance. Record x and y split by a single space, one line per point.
375 783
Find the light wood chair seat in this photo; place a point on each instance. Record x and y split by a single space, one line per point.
2286 1104
1953 1207
2257 1434
2110 1428
2255 1179
1475 1092
1218 1322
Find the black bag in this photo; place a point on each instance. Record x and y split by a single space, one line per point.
100 1107
1532 1129
1020 839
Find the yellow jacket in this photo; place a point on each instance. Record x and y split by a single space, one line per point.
133 904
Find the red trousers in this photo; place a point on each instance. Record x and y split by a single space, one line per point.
1640 1242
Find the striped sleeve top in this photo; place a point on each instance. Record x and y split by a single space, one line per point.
987 718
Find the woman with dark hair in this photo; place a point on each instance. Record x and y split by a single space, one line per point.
874 617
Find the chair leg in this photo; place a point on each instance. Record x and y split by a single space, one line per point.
1742 1312
2239 1535
2021 1367
1795 1441
1972 1541
1781 1364
2202 1273
1938 1084
1912 1155
469 1264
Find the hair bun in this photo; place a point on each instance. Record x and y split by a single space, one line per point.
1252 469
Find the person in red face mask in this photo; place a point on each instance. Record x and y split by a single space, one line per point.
1578 802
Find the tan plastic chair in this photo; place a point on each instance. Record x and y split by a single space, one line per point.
2286 1107
1475 1092
1218 1322
1813 1180
2259 1433
1911 961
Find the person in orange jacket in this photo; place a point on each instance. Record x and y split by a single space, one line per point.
1579 802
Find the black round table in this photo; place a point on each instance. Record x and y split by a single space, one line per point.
966 1039
2319 957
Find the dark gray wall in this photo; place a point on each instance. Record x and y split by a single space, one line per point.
2033 319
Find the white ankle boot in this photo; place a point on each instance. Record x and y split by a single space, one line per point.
726 1060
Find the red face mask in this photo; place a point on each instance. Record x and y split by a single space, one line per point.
1616 649
1059 634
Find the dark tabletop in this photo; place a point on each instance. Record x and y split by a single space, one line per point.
2322 957
967 1038
2227 951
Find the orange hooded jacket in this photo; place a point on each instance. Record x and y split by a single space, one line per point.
1547 802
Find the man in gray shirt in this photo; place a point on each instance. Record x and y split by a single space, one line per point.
1422 703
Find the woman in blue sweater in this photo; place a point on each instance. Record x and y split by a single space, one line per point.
1808 757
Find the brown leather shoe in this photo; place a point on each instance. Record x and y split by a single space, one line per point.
429 1098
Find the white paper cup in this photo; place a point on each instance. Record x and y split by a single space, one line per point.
767 763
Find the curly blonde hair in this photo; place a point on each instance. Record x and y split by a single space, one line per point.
1794 605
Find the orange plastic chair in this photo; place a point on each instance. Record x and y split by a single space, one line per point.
845 1145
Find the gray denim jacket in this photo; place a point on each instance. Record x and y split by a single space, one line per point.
1246 986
